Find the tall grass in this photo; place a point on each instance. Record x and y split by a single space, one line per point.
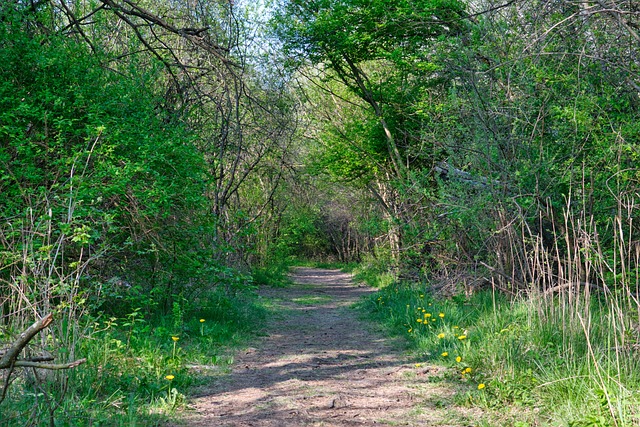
129 360
555 330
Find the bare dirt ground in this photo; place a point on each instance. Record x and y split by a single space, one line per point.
324 365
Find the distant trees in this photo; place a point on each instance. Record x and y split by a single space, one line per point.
377 66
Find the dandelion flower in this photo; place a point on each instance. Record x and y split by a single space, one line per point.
201 320
169 377
462 337
418 365
467 370
419 320
445 354
480 386
433 320
410 330
421 295
441 315
175 338
427 315
458 359
441 335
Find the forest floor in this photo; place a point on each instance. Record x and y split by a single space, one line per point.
322 363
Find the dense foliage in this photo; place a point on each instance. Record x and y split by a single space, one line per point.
470 124
139 154
158 161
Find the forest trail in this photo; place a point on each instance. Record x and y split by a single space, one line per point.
323 365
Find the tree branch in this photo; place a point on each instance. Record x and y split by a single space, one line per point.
11 354
50 366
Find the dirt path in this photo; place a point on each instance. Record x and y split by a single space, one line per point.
322 365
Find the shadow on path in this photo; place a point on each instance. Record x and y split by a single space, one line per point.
321 365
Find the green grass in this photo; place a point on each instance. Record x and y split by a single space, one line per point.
373 279
560 363
275 275
124 381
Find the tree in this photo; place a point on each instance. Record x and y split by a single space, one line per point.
382 55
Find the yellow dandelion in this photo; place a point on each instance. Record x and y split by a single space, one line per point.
433 320
201 320
424 311
480 386
427 315
169 377
418 365
458 359
410 330
175 338
456 327
466 371
419 320
445 354
441 335
441 315
462 337
421 295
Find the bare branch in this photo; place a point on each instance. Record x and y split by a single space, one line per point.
50 366
10 356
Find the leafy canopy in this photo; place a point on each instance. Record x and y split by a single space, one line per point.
363 30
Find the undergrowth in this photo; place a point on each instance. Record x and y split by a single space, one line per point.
552 360
139 370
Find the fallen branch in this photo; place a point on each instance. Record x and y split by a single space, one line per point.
9 355
50 366
447 171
